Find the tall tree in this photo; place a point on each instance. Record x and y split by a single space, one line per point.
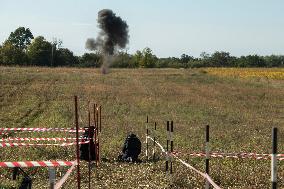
39 52
11 55
148 58
21 38
65 57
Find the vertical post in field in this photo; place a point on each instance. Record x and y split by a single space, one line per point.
207 154
147 133
100 118
97 110
94 115
167 152
77 142
172 146
89 138
274 159
51 172
154 142
98 134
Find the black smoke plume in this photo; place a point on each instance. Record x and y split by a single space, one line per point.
113 35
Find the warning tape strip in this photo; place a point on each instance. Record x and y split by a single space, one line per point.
37 163
4 144
64 178
5 130
256 156
206 176
38 139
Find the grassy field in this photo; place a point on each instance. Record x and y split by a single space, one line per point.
241 112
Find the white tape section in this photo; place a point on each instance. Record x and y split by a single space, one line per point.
206 176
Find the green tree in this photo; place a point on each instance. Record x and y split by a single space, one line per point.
21 38
219 59
251 61
39 52
91 60
148 59
1 55
185 60
274 61
65 57
11 55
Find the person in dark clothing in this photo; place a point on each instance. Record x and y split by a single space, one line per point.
131 149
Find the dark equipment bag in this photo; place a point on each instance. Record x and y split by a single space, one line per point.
84 148
131 149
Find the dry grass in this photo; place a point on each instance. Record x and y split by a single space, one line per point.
241 113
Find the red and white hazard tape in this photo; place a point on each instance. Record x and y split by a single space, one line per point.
4 144
280 157
37 163
71 130
36 139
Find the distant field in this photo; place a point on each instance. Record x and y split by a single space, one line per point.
259 73
240 108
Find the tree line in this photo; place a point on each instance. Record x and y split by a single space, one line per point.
23 49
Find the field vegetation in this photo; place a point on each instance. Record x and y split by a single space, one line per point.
241 112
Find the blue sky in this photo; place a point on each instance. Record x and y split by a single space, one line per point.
169 28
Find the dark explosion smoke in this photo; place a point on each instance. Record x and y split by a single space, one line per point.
113 36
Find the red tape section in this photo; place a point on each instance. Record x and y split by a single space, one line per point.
71 130
37 164
26 144
38 139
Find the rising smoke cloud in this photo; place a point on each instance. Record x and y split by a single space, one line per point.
113 35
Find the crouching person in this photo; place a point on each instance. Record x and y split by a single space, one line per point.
131 149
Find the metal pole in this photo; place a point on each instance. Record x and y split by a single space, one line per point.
95 143
100 118
89 138
147 133
167 155
51 172
207 154
172 146
77 142
95 115
274 159
154 142
98 133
